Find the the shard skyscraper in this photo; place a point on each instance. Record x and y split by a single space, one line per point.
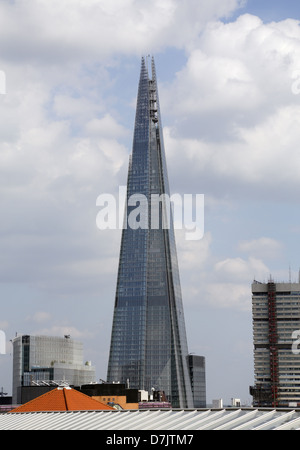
148 343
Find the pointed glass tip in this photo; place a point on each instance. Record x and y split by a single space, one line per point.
148 66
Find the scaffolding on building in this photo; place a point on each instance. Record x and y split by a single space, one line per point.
273 341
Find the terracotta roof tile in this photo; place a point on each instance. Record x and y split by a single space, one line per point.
62 399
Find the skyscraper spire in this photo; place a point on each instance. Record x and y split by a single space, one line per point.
148 342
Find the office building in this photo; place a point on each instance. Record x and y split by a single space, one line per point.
276 331
196 365
148 343
47 360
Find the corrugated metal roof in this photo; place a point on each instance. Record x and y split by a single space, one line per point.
180 420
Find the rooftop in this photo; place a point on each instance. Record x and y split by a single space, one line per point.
62 399
209 419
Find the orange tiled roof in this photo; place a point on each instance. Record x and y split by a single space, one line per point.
62 399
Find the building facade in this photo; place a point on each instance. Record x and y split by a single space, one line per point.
113 394
276 332
196 365
47 359
148 343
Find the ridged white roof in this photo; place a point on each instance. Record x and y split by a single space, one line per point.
180 420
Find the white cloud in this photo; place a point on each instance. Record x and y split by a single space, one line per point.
50 179
262 160
238 269
215 82
193 255
237 66
211 282
75 29
263 247
107 126
229 296
234 113
66 107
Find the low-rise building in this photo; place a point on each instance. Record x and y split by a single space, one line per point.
113 394
48 359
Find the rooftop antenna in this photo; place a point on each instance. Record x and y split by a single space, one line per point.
290 274
2 393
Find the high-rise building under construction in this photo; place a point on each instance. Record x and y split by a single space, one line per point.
276 333
148 343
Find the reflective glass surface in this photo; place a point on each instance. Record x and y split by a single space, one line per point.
148 343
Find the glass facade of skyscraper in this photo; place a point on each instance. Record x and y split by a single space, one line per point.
148 342
198 379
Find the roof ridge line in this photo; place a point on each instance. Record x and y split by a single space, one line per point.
65 398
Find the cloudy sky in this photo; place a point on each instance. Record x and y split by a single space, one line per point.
229 85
